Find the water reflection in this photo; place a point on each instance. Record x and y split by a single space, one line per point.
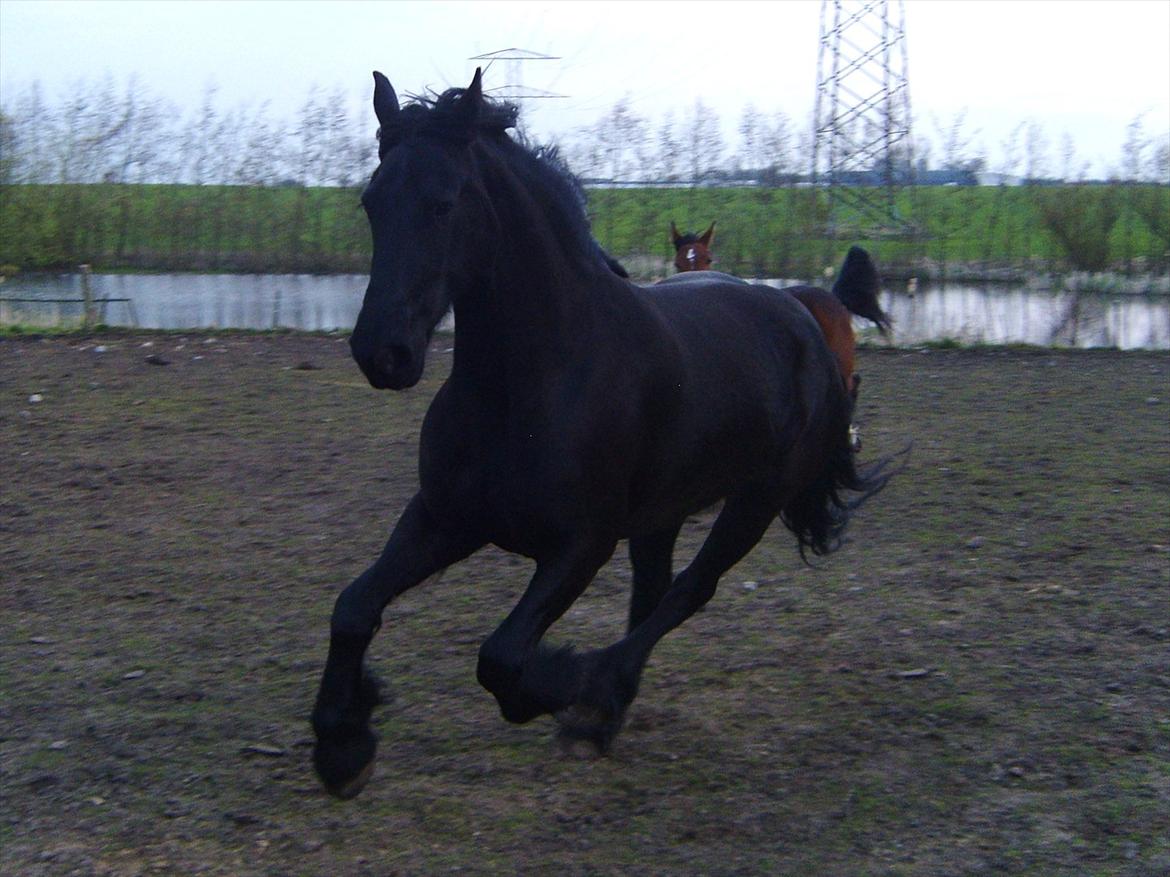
191 301
993 314
999 315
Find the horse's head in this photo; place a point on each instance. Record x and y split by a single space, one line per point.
427 213
692 252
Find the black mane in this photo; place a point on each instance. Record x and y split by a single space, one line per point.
561 195
439 116
541 167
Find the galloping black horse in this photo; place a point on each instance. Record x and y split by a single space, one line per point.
580 410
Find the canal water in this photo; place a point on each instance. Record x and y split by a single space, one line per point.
989 313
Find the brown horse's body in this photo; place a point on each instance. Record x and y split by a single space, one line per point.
837 326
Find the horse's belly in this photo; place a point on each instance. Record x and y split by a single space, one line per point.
679 481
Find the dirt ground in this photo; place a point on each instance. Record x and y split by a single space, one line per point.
978 683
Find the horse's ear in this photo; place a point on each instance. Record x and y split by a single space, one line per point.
385 100
472 99
674 235
708 236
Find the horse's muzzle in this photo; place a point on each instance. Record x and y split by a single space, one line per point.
390 367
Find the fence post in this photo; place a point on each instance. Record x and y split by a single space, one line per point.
87 296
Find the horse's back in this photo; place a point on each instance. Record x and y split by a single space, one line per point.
739 339
713 305
741 376
691 278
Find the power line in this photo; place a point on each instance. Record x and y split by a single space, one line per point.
513 87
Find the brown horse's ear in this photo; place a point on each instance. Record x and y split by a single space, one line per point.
674 235
385 100
708 236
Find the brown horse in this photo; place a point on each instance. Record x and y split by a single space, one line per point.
854 292
692 252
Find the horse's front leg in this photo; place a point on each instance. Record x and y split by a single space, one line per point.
417 548
527 679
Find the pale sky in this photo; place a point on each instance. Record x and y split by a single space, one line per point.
1085 68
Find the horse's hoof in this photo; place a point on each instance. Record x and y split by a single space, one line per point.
585 733
350 789
345 766
579 748
854 439
517 711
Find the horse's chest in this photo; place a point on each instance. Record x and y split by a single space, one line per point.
501 477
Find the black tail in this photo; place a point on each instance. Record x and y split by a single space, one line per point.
857 288
819 514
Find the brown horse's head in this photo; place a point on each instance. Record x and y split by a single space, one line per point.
692 252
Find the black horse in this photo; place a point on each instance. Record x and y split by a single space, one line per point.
580 410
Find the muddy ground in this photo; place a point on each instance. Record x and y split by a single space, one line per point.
978 683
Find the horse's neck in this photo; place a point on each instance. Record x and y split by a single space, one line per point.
540 302
526 323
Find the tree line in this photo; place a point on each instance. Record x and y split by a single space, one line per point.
103 131
277 193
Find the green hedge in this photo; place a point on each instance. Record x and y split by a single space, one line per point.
761 232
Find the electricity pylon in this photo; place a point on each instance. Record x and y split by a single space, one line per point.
862 151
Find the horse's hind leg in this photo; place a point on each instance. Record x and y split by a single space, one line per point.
529 681
612 675
417 548
651 557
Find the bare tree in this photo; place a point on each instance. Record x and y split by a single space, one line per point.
1010 149
32 131
1035 151
750 155
702 141
1159 162
777 144
1133 150
7 149
623 136
669 151
765 145
959 151
1072 169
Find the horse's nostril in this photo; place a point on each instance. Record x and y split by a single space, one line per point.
393 360
399 357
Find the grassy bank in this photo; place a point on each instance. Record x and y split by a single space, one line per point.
761 232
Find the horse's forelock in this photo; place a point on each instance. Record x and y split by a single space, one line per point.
443 116
492 116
